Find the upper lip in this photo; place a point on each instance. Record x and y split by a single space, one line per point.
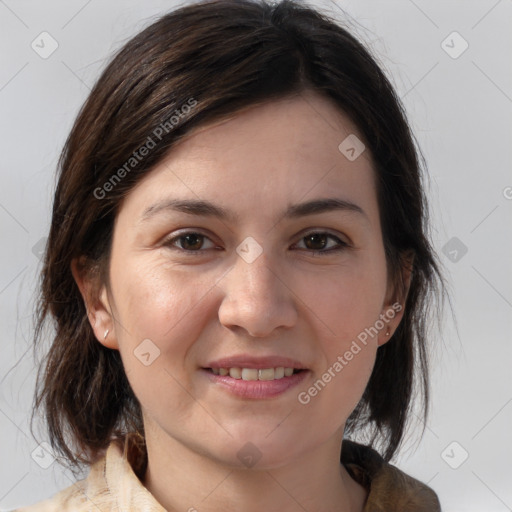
246 361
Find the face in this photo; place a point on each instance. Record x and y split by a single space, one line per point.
271 280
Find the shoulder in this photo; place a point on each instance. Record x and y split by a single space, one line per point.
389 489
65 500
87 495
113 484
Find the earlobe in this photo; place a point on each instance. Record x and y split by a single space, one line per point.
392 316
395 302
97 305
387 336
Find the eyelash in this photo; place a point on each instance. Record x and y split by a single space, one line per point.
341 244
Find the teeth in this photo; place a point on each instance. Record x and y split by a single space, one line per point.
279 372
254 374
248 373
235 373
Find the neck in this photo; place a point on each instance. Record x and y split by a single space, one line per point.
182 479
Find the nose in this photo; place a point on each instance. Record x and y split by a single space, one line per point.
257 298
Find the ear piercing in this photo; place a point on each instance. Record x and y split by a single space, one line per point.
387 332
106 334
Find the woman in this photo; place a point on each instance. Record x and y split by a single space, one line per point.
240 273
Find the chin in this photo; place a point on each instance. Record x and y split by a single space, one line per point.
263 448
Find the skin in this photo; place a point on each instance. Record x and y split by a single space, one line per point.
199 306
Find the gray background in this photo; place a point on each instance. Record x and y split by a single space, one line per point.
460 109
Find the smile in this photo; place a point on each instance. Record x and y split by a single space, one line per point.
253 383
255 373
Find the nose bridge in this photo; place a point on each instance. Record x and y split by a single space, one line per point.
256 297
258 274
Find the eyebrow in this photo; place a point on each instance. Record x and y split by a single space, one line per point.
207 209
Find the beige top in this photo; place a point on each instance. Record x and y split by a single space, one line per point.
113 484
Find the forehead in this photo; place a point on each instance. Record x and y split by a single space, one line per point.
262 158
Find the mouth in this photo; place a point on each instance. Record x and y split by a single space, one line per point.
253 374
250 377
254 383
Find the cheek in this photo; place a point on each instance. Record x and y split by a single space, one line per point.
345 305
337 387
161 319
158 303
346 301
160 314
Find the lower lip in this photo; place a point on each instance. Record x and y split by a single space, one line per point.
257 389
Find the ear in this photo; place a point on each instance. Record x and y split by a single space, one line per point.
94 294
396 296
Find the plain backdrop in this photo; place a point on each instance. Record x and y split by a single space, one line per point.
450 63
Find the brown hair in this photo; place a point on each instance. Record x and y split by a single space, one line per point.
218 57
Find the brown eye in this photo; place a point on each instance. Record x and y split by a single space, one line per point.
192 241
189 242
318 242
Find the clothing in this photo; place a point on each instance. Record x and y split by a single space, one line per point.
114 483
